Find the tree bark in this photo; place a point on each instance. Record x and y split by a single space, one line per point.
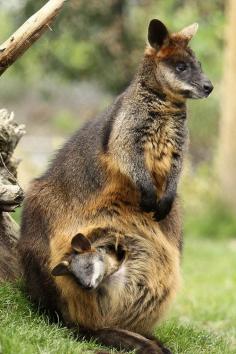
11 194
227 140
10 269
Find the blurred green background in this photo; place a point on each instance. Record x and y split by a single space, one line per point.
90 55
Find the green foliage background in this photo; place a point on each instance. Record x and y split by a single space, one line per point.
104 39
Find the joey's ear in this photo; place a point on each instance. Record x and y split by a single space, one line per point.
61 269
157 34
80 243
188 32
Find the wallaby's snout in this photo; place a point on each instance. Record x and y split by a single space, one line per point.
203 87
207 87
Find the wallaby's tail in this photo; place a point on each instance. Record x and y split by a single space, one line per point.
124 340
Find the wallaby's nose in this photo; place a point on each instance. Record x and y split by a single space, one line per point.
208 87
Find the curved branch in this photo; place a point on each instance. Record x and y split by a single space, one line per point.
28 33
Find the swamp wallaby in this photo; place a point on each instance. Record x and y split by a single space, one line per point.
115 182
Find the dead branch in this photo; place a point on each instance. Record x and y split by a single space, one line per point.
10 268
11 195
28 33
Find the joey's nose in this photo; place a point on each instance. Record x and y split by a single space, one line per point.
208 87
88 287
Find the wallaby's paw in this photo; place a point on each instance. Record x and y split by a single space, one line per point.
163 208
148 202
117 250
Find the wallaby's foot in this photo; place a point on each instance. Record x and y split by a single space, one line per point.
163 348
89 265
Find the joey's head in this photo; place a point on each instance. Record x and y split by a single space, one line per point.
173 64
84 264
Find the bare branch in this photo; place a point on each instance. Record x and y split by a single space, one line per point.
28 33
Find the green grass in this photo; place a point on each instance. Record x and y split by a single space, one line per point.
203 319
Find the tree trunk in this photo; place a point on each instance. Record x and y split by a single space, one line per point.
227 141
11 194
9 266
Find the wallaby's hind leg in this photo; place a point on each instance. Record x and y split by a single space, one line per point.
125 340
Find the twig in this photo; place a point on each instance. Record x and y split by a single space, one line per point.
5 166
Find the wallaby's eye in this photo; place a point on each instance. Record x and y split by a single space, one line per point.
181 66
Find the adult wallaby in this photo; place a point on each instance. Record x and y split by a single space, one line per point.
115 182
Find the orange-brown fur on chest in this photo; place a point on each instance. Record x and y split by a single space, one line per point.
158 151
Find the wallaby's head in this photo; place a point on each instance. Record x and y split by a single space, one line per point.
87 265
176 68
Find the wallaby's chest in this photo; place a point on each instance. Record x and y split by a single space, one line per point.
160 146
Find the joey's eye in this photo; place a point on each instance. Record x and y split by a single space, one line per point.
181 66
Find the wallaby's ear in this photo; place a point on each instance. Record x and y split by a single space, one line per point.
80 243
61 269
157 34
188 32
